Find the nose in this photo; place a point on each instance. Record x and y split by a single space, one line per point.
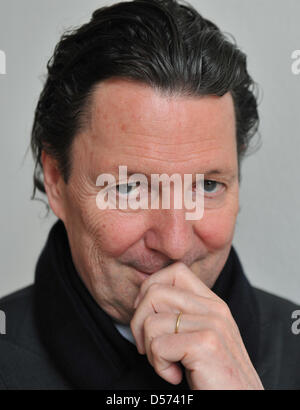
170 233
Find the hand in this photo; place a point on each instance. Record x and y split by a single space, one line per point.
208 342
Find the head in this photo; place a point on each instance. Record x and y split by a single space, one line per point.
154 86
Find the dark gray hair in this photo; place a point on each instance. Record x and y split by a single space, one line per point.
163 43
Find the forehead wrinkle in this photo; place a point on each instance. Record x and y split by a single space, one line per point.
146 142
119 117
142 155
168 155
159 140
189 149
163 137
142 161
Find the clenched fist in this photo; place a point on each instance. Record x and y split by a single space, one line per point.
208 342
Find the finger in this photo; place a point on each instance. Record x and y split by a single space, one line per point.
210 334
166 352
158 324
201 353
161 298
177 275
208 363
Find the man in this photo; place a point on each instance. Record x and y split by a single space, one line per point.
144 298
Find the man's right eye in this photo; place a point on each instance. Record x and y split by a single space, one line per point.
126 189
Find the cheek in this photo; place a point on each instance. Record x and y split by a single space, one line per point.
112 230
216 228
116 232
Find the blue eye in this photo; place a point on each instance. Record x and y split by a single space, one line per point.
126 189
210 186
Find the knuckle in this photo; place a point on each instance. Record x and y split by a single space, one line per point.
150 322
156 290
181 269
210 340
146 285
180 266
153 288
216 322
222 309
155 346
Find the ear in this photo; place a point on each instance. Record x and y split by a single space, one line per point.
53 182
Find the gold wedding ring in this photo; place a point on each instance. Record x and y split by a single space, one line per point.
178 322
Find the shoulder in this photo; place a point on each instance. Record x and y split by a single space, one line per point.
273 306
17 309
24 362
279 361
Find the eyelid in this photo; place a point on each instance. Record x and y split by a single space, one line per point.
212 180
226 179
135 185
131 183
219 191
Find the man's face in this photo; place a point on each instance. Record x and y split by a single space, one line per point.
133 125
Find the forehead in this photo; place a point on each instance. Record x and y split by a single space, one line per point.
131 122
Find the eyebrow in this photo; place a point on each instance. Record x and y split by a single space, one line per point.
229 174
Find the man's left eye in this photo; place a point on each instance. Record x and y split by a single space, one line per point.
211 187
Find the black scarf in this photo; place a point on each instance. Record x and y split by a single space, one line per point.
82 339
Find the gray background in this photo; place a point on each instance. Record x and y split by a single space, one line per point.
267 233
